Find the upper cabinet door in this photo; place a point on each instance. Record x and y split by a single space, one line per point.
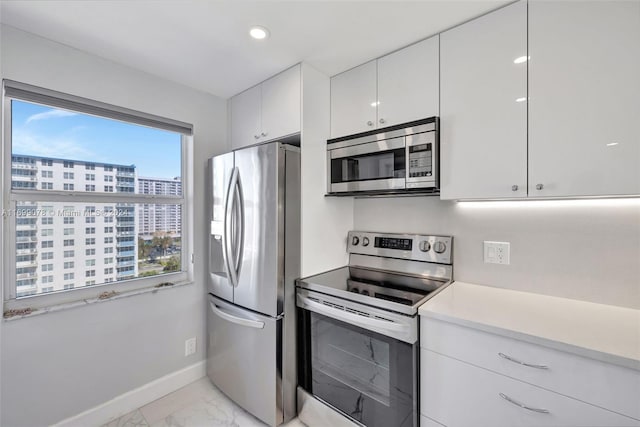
354 100
245 118
281 104
483 90
584 85
408 84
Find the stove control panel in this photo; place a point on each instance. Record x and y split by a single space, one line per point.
415 247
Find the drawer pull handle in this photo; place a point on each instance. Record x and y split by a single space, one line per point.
528 408
511 359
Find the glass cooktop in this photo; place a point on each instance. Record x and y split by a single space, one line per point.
391 291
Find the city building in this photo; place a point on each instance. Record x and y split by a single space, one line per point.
159 217
62 245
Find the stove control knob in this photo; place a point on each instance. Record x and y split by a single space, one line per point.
439 247
355 240
365 241
425 246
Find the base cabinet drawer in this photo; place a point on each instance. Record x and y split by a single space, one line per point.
601 384
457 394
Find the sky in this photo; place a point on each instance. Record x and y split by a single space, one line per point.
38 130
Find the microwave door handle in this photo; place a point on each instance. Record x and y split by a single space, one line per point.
228 229
388 328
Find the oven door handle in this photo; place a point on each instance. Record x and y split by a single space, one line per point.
384 327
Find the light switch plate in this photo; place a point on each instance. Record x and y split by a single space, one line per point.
497 252
189 346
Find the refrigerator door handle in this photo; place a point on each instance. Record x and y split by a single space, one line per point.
228 229
239 239
235 319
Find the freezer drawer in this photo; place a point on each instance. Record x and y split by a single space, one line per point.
242 358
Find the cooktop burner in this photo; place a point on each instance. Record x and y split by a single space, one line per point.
394 272
386 290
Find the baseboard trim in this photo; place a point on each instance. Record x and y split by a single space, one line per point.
131 400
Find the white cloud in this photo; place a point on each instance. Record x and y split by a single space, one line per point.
50 114
36 145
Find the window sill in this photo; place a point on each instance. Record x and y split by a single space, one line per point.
81 303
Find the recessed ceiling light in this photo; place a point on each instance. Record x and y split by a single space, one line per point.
520 60
258 32
612 144
521 99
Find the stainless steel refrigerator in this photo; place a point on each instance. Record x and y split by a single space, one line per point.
254 259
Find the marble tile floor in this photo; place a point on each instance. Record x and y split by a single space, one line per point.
199 404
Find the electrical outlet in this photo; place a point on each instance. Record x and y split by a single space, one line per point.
496 252
190 346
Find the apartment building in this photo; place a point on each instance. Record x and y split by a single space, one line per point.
159 217
62 245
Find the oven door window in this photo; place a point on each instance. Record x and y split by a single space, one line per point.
368 376
369 166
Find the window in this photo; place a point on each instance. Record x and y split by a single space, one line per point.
108 146
69 276
46 255
47 267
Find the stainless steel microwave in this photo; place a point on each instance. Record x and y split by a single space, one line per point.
394 160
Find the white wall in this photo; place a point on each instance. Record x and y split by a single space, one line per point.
60 364
585 249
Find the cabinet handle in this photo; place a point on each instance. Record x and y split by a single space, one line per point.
382 121
511 359
256 136
369 123
539 186
523 406
514 188
265 133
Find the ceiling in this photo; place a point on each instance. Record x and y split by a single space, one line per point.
204 44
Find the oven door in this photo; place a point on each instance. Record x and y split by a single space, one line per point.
374 166
370 376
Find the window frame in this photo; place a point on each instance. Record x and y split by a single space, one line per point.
10 197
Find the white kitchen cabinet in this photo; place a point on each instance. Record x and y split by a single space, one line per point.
281 104
354 100
584 85
483 91
267 111
245 117
408 83
455 393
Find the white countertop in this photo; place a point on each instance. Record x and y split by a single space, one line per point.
598 331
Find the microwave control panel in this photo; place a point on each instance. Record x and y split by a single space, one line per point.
420 160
